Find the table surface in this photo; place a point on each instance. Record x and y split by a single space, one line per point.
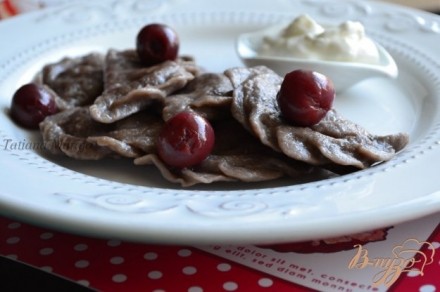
113 265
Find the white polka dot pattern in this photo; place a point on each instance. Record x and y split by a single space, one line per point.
230 286
80 247
265 282
46 251
46 235
119 278
427 288
82 264
184 253
150 256
117 260
189 270
14 225
224 267
12 240
154 275
128 266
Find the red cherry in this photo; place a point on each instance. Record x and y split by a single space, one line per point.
31 103
305 97
185 140
156 43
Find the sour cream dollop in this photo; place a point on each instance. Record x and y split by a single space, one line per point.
305 38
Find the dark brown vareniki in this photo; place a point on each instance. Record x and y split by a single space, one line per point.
130 87
208 94
237 156
76 134
75 81
333 141
253 143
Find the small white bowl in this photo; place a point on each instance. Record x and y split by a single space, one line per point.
343 74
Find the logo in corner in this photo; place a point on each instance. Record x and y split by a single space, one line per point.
412 255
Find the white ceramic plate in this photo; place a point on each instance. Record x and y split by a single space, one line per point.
117 199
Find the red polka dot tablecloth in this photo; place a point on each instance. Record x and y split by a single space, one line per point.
113 265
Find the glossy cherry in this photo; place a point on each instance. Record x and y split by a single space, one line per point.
305 97
156 43
30 104
185 140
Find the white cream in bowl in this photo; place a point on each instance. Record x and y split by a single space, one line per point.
344 52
